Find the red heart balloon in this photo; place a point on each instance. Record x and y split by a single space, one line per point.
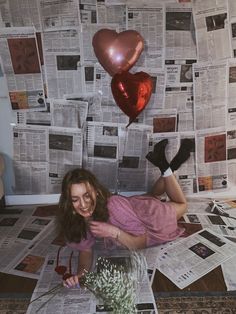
117 52
132 92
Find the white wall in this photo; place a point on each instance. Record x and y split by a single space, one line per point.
6 148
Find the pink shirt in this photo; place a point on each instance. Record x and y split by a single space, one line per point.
137 215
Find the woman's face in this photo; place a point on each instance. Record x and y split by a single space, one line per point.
83 197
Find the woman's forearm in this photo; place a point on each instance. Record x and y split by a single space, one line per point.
130 241
85 261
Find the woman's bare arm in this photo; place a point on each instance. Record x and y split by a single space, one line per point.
105 230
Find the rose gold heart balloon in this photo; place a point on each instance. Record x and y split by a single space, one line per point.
132 92
117 52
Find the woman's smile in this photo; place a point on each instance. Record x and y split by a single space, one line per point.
83 197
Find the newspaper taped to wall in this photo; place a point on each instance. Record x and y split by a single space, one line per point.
19 50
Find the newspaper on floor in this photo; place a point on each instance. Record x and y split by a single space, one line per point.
19 231
80 300
194 256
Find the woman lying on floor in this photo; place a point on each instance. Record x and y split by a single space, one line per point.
88 210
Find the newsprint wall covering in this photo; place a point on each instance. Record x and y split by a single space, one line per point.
61 100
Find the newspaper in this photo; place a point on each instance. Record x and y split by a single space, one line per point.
202 251
93 111
148 20
20 13
19 230
66 113
80 300
63 59
179 32
103 85
221 225
231 149
112 13
18 49
212 30
88 11
133 147
65 152
56 13
211 160
231 116
34 117
210 94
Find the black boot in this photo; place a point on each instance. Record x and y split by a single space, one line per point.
183 154
158 157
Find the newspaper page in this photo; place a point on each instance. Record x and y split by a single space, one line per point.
29 262
211 160
89 77
179 32
19 13
231 155
148 20
212 29
133 147
228 269
106 171
65 152
112 113
60 13
210 95
102 140
30 177
88 31
30 143
24 230
94 109
62 53
179 91
34 117
231 116
65 113
112 13
18 49
103 85
202 251
81 300
218 224
88 11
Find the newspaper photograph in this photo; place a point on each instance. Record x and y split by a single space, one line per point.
202 251
211 160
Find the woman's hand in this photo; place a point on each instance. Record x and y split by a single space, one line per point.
72 282
103 229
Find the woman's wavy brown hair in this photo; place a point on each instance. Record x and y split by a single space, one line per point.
73 226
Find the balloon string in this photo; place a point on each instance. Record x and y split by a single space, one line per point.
124 146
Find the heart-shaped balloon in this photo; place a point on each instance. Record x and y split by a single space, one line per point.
117 52
132 92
